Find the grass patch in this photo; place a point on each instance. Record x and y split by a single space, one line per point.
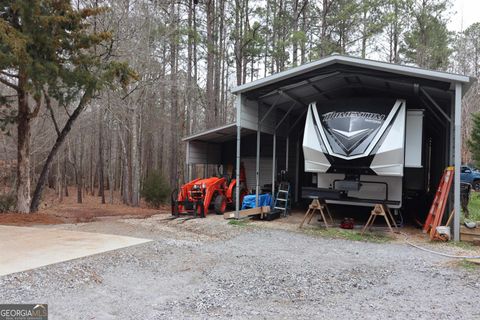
461 244
474 206
239 223
467 265
352 235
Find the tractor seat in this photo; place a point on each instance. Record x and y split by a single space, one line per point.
228 179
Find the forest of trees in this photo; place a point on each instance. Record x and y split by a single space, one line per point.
163 70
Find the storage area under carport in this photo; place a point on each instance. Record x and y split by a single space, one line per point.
271 113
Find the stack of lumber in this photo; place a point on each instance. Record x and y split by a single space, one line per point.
470 235
248 212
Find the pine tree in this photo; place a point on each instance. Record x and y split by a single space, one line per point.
474 141
47 52
472 38
427 43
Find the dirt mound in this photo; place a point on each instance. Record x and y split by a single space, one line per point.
20 219
86 213
53 211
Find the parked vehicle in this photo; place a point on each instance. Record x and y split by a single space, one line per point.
471 176
198 196
359 151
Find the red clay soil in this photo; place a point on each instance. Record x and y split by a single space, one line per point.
19 219
87 212
68 211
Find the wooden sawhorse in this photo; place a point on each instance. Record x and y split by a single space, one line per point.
317 205
384 211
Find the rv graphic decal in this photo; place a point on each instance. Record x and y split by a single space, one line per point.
346 131
371 131
368 116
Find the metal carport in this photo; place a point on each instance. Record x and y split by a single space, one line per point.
276 104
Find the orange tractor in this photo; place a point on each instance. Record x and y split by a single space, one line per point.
198 196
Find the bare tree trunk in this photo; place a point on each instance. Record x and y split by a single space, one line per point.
364 33
190 87
65 177
80 171
58 143
174 101
195 71
267 38
58 180
296 16
125 173
274 37
238 41
101 186
323 28
210 92
135 161
303 50
111 167
163 110
246 26
76 167
23 148
91 173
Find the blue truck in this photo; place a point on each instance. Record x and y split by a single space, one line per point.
471 176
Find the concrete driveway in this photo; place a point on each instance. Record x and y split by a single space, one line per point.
25 248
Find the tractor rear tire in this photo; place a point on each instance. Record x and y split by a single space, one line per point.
174 203
220 204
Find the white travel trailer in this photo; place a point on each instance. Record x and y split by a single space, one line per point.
359 149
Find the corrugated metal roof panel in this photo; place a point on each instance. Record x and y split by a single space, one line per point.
358 62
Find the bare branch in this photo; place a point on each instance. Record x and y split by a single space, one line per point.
8 74
38 105
50 109
9 84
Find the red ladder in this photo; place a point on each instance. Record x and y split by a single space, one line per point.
437 209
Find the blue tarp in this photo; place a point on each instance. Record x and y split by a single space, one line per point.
263 200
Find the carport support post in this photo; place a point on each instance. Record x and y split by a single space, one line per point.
187 162
273 162
286 154
257 160
237 170
458 161
297 168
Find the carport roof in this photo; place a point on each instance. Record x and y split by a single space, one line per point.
410 71
336 77
218 134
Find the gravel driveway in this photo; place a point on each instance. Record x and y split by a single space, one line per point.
203 269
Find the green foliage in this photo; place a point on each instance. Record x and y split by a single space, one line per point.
468 265
7 203
474 141
8 115
155 189
427 44
341 22
474 207
461 244
467 50
352 235
50 44
239 223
